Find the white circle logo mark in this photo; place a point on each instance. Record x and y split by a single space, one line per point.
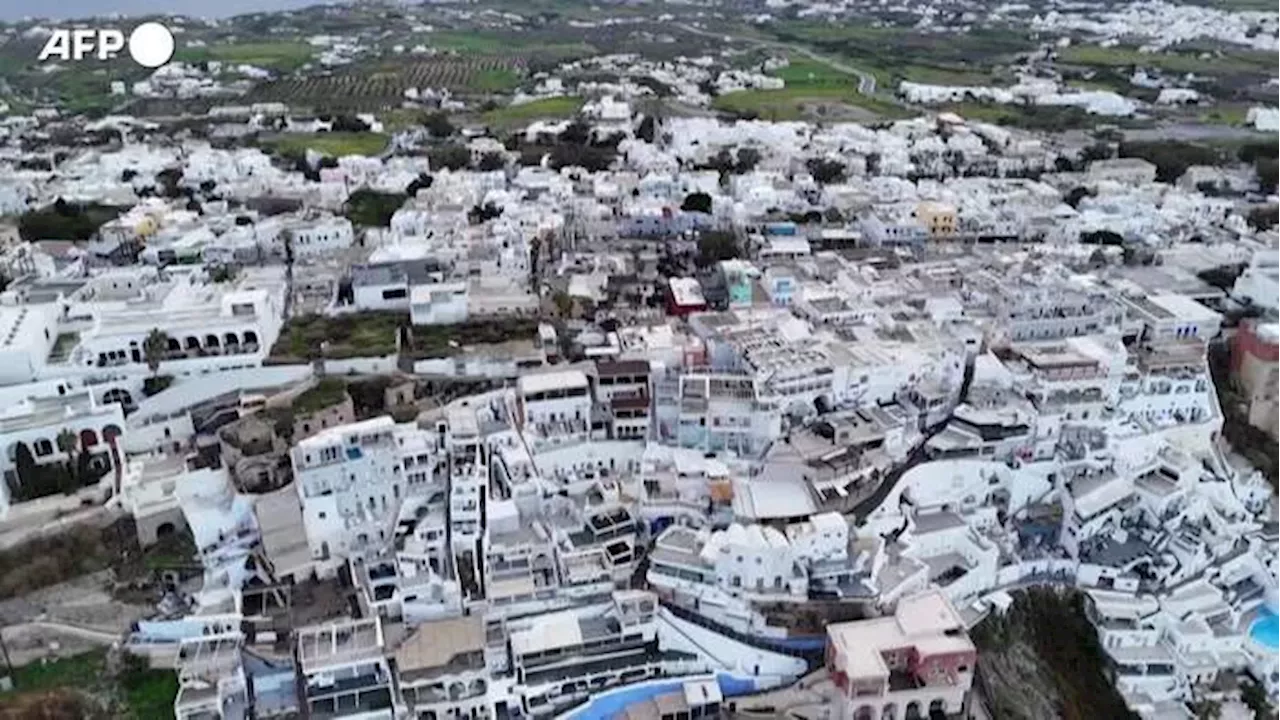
151 44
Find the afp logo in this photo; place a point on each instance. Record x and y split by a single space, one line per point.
150 44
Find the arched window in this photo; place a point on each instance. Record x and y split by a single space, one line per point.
230 339
250 337
110 433
211 340
192 343
88 438
117 395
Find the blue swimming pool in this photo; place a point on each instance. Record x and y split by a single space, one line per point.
609 704
1266 629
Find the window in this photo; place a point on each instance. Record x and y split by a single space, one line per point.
395 294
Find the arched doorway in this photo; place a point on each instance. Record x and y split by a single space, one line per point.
12 450
165 529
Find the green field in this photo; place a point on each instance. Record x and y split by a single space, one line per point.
496 80
811 73
1042 118
328 392
894 54
481 43
76 671
1233 115
283 56
336 144
944 76
556 107
790 103
1184 62
366 334
808 83
136 692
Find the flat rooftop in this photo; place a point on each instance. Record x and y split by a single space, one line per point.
437 644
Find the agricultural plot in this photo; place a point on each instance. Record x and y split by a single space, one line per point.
556 107
279 56
336 144
813 90
894 54
383 87
1232 63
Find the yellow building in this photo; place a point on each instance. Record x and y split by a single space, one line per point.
938 219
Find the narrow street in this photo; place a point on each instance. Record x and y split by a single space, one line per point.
917 456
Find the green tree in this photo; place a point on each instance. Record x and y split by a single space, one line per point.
747 159
438 125
1207 710
716 245
564 303
369 208
491 161
67 442
1263 217
697 202
1253 695
451 156
422 181
1171 158
1267 168
1222 277
154 348
826 171
1077 194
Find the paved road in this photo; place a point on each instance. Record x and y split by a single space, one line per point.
866 81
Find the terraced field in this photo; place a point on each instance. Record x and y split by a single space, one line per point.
383 87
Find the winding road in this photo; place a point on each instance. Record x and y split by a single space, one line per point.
866 81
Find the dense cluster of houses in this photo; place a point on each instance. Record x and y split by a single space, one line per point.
908 389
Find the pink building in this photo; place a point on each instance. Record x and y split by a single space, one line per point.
917 663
